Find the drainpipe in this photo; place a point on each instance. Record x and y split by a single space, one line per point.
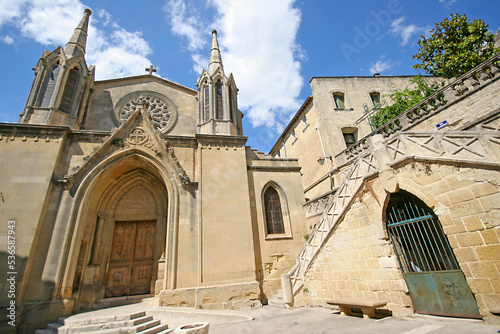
324 155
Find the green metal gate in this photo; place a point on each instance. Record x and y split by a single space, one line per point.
436 283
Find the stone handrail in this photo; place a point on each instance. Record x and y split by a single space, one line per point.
456 146
353 150
466 84
318 204
366 164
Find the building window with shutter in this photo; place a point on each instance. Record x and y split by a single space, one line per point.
375 97
69 90
350 135
219 109
339 100
274 215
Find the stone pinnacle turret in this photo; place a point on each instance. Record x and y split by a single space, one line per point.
215 58
78 41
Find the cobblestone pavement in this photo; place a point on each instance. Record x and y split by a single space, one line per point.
316 320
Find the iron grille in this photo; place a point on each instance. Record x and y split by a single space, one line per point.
417 235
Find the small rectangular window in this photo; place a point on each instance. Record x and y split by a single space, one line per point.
349 138
375 99
339 100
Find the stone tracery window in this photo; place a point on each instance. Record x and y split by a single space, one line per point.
219 109
161 114
50 85
69 90
231 111
274 215
206 103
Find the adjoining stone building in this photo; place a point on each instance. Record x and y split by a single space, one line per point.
410 215
139 186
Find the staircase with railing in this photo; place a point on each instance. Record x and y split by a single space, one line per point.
365 162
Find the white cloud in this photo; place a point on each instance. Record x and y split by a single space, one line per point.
51 23
184 25
260 48
405 32
105 16
10 9
115 51
447 3
258 44
380 66
190 27
7 40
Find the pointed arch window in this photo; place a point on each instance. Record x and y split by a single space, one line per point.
231 110
69 90
274 215
206 103
50 86
219 109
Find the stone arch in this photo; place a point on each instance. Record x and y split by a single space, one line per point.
401 182
98 192
426 258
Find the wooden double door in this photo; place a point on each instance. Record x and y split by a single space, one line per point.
131 261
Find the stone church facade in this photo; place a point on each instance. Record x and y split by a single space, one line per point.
135 187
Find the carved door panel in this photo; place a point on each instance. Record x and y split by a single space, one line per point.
131 260
142 267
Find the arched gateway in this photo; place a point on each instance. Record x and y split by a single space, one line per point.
123 227
436 283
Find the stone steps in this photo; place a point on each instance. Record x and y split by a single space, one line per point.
115 324
277 300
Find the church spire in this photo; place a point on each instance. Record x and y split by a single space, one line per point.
215 58
78 41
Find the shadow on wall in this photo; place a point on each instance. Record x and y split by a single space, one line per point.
16 317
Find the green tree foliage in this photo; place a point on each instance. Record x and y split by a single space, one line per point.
404 99
455 46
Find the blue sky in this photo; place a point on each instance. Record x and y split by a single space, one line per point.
273 48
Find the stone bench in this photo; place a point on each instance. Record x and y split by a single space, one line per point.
367 306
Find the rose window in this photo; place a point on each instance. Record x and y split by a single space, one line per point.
158 110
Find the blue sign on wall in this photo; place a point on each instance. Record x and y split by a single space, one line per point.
442 125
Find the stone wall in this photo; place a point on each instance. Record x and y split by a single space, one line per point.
110 95
358 259
275 254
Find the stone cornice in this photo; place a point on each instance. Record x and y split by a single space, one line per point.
180 141
143 78
220 141
274 168
13 131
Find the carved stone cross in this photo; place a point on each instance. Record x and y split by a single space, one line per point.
150 69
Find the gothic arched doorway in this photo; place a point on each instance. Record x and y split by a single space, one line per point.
436 283
131 267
